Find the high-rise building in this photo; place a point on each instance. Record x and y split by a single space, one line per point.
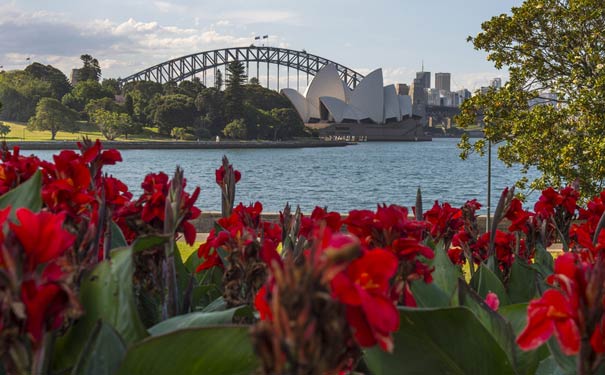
419 98
442 81
463 95
496 83
402 89
424 79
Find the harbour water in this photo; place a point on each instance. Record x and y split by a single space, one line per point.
341 178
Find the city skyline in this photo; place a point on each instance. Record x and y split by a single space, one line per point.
398 37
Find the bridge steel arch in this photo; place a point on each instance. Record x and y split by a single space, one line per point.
184 67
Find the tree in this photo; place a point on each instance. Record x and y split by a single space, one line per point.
178 133
4 129
53 116
210 104
59 84
218 80
110 124
170 111
111 85
254 81
84 92
234 93
90 71
287 123
20 91
236 129
551 113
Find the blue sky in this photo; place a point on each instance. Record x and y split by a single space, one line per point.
130 35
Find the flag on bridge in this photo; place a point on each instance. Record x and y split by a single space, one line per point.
265 36
256 37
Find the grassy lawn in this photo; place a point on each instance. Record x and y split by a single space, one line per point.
19 132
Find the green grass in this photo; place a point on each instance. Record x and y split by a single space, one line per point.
19 132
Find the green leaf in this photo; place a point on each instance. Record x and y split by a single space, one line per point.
27 195
493 322
117 237
103 352
549 366
429 295
567 363
211 350
218 304
148 242
201 319
522 282
485 281
441 341
446 273
107 294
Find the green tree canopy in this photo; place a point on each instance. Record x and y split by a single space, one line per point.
59 85
90 70
20 91
218 80
551 113
112 85
170 111
234 93
53 116
84 92
236 129
111 124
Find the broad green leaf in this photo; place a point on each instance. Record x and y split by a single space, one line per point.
446 274
27 195
527 361
429 295
485 281
549 366
493 322
218 304
106 293
117 237
567 363
103 352
543 261
201 319
211 350
441 341
522 282
148 242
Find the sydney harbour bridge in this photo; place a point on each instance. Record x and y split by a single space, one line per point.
203 64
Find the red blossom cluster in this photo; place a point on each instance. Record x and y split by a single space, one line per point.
390 228
37 285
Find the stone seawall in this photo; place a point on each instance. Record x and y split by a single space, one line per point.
180 145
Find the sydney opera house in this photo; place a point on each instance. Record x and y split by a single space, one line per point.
371 111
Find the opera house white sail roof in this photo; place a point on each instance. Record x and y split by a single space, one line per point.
329 98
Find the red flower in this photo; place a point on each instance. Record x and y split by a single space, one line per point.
492 301
220 175
518 216
363 288
557 310
42 236
261 304
445 220
44 305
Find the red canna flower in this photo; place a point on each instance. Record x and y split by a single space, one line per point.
220 175
44 305
556 312
363 288
445 221
42 236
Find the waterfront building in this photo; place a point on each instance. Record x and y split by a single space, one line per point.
329 99
433 97
419 97
463 95
402 89
424 79
442 81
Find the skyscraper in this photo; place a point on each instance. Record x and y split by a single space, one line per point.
442 81
496 83
424 79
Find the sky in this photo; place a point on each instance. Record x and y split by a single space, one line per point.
127 36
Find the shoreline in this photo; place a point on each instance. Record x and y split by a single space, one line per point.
179 145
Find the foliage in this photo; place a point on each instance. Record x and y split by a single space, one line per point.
20 92
178 133
111 124
170 111
59 85
84 92
54 116
236 129
234 93
218 80
90 70
112 85
550 114
4 129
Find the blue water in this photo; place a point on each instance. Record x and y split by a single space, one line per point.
342 178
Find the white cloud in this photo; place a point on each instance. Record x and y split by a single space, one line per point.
168 7
261 16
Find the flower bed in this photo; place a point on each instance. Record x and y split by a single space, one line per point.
92 281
